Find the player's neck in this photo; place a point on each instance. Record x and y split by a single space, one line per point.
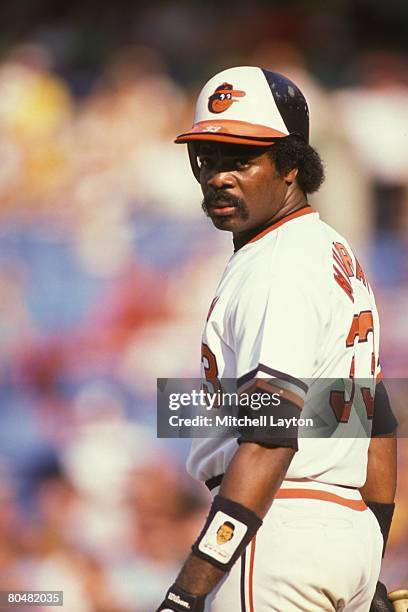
291 205
295 200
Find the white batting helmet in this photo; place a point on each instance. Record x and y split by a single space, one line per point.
247 105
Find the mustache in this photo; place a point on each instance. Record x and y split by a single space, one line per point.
212 198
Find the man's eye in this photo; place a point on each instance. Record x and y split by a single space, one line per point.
240 164
203 162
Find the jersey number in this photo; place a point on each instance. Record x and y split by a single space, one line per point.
209 362
361 325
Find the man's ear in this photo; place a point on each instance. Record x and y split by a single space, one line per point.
291 176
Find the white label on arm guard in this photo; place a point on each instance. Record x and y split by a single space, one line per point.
222 538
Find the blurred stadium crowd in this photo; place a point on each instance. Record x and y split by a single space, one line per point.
107 267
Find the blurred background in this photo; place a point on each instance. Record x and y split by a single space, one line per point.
108 265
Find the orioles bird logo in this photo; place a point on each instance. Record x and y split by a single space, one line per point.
223 97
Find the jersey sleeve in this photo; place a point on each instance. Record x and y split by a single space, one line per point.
275 329
377 366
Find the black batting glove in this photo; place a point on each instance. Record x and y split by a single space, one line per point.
178 600
380 602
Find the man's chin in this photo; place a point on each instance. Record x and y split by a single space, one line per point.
226 218
226 223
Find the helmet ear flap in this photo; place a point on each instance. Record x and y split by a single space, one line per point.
192 153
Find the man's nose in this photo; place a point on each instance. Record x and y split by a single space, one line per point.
221 178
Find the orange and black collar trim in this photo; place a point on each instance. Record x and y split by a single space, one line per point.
261 231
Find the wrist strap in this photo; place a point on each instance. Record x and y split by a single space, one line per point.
178 600
229 528
383 513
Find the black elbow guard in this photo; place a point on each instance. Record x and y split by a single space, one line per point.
277 427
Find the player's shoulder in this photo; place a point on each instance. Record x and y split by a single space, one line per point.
304 245
299 252
293 255
309 229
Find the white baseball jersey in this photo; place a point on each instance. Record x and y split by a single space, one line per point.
294 308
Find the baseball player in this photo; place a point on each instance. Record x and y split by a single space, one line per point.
293 315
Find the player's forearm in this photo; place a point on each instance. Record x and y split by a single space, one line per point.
255 474
252 479
381 482
198 577
380 486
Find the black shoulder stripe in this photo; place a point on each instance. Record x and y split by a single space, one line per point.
275 373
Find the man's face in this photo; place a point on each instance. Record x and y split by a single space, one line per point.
240 184
224 534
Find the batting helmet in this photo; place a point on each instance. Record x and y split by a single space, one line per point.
247 105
